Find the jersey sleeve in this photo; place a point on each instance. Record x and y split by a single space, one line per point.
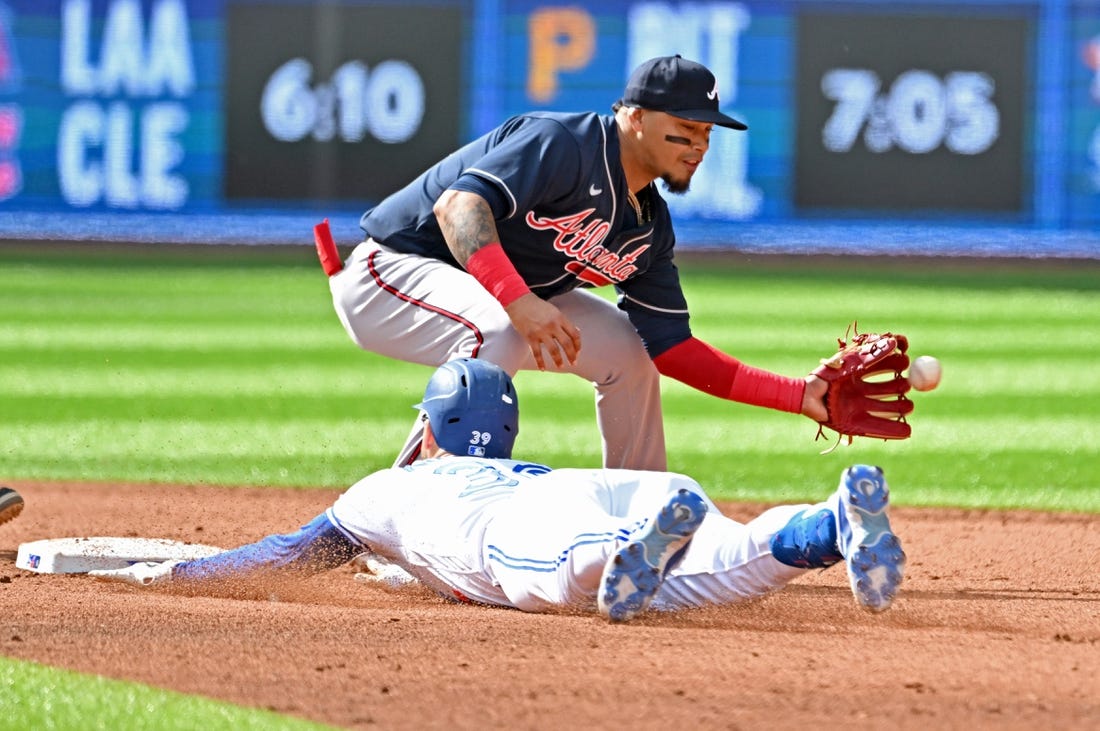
654 300
500 203
529 160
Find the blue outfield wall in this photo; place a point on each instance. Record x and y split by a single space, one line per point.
929 128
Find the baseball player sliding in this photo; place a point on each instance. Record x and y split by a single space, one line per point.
487 255
477 526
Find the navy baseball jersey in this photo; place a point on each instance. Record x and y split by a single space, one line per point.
559 196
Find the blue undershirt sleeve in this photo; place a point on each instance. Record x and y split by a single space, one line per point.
315 547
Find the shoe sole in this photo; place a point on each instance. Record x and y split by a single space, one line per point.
876 562
634 574
11 504
875 572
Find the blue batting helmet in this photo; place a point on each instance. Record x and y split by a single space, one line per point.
473 408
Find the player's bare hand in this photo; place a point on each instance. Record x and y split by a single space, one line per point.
543 325
813 399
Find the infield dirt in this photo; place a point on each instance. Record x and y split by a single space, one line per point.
997 627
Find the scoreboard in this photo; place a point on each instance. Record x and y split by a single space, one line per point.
902 113
970 114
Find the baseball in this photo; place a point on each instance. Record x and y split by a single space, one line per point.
924 373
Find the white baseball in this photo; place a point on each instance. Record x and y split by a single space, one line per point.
925 373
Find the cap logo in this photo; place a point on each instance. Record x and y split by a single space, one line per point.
713 93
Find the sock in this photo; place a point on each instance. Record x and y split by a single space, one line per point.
807 541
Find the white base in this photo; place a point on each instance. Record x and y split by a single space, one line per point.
80 555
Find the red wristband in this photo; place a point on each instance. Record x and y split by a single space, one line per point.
763 388
491 267
708 369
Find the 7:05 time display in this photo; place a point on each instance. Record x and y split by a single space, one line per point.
917 113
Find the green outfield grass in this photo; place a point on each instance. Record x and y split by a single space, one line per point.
227 366
36 697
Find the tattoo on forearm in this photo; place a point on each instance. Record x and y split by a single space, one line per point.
467 226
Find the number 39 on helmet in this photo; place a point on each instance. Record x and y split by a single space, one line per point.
473 408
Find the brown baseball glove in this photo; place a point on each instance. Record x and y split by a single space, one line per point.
866 396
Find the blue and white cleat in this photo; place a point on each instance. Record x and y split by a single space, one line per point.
871 551
634 574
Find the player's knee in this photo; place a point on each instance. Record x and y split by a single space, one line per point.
632 368
625 359
677 482
501 344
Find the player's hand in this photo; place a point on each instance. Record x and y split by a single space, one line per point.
813 399
543 325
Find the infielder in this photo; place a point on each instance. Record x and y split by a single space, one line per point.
487 253
477 526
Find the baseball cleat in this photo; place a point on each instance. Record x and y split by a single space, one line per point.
872 553
145 573
635 572
11 504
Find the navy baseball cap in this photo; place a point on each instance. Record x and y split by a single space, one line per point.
677 86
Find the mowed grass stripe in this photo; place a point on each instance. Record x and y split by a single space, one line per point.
125 335
119 376
228 366
179 450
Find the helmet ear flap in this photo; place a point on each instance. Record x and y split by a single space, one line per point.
473 408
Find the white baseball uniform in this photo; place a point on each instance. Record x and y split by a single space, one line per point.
517 534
